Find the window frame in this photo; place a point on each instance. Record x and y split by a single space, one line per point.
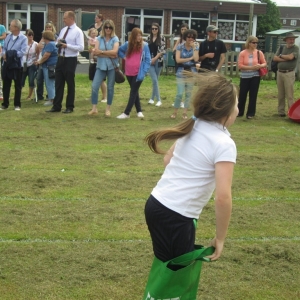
240 28
190 20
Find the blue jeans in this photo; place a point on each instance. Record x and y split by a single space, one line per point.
50 84
31 73
183 86
98 78
154 73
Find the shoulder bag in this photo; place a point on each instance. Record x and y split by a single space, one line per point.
119 76
51 71
264 70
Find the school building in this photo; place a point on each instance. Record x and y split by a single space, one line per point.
232 17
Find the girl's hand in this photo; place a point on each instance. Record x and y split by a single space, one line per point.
218 248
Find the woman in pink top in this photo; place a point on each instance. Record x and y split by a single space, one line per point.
137 63
250 61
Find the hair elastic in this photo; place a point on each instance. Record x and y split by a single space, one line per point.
194 118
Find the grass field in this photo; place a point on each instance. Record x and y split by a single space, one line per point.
73 189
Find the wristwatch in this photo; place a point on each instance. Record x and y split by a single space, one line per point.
280 55
101 51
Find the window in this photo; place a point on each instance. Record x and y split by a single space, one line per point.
26 14
196 20
284 21
233 27
142 18
293 22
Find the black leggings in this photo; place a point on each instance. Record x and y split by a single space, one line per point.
172 234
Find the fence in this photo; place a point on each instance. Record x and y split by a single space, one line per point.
230 67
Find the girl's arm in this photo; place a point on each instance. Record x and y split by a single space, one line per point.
176 44
169 155
122 50
223 205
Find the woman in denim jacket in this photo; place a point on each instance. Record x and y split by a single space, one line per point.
157 45
137 63
106 50
187 55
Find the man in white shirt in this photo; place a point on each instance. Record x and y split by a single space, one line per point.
70 42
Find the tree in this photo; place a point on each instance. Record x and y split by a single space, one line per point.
270 21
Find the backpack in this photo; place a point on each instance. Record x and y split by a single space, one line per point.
274 64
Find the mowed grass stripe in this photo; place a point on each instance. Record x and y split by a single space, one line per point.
116 219
112 271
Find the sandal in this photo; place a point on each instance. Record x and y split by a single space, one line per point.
184 116
93 112
107 113
173 116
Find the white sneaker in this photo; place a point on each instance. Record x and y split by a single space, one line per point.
158 103
151 101
104 100
48 103
92 61
123 116
140 115
17 108
182 105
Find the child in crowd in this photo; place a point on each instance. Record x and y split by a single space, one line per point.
200 162
92 33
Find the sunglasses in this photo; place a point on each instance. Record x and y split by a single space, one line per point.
154 28
108 27
254 42
30 34
215 31
190 37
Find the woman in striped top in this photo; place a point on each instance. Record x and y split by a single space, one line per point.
250 61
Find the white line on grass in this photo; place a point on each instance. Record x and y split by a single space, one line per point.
240 239
143 199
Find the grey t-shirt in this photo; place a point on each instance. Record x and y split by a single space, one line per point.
289 64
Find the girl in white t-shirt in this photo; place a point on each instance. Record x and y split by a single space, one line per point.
200 161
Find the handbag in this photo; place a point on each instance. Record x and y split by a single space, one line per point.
264 70
180 282
92 71
51 71
274 64
119 76
25 67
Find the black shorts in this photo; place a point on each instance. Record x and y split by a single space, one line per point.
172 234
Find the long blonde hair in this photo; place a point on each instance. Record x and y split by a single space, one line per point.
214 101
109 23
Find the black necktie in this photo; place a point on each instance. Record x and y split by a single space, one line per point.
64 37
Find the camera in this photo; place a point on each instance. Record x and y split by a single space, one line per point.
60 42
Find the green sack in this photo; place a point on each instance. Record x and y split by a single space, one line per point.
164 283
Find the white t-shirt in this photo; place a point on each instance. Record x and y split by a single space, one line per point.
30 55
189 179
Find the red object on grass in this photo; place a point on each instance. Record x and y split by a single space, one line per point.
294 112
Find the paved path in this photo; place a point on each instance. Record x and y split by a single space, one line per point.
82 69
